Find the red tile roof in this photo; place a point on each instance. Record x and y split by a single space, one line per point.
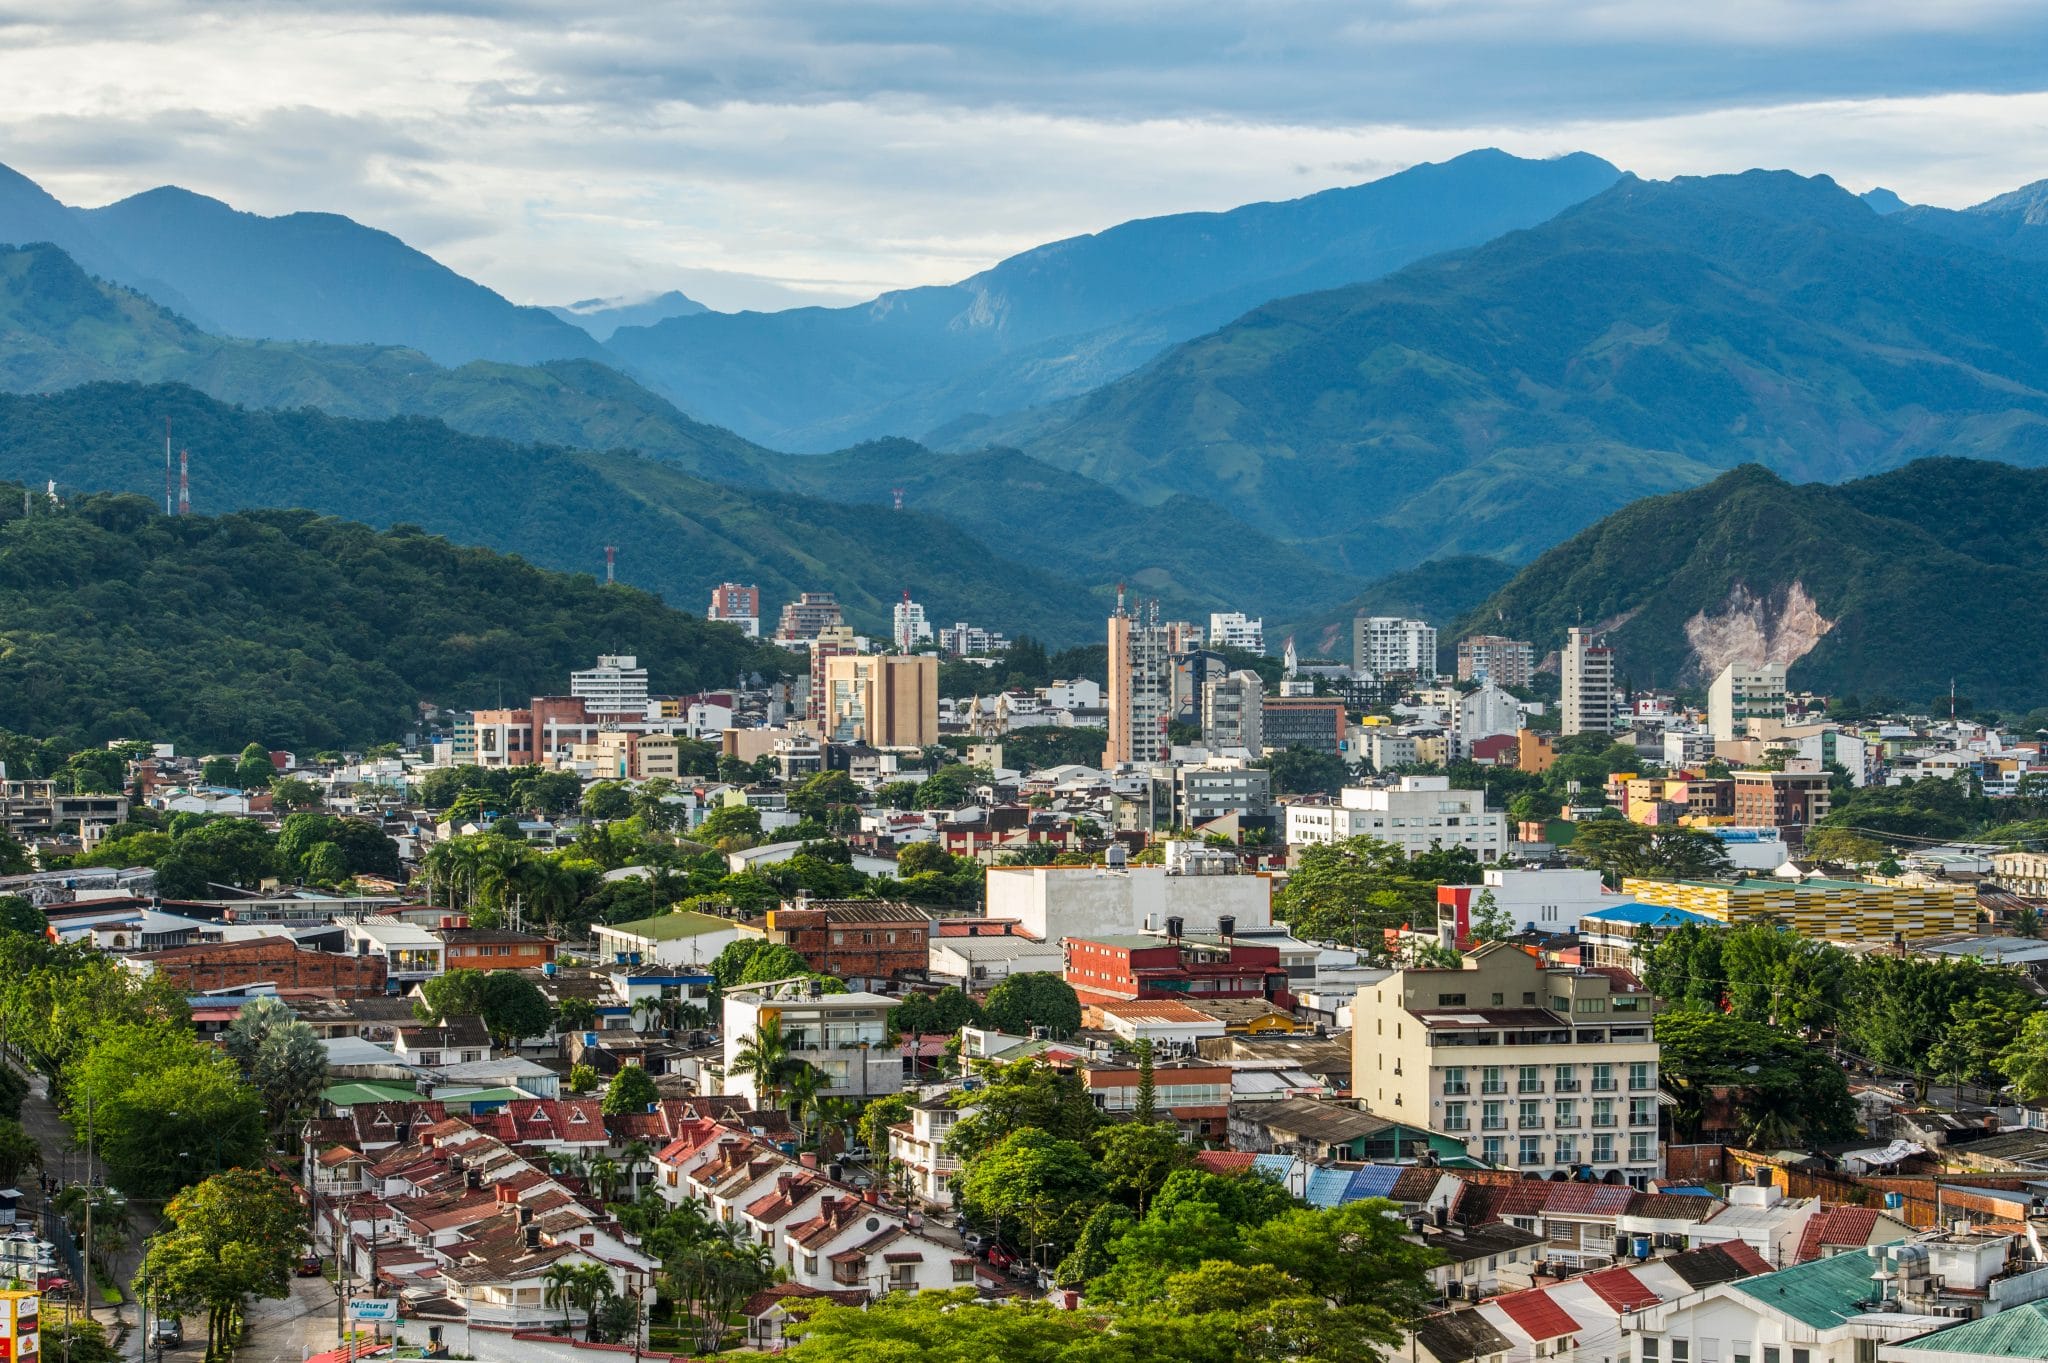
1536 1314
1840 1227
1225 1161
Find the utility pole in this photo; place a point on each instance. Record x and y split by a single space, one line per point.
88 1210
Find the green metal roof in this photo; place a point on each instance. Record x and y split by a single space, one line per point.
475 1096
2017 1332
368 1091
669 927
1822 1294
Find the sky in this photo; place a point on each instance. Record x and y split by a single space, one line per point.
765 153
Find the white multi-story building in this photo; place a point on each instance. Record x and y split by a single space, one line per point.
962 640
1232 629
1739 694
1495 658
842 1036
1415 815
918 1147
908 626
1685 748
617 687
1544 1068
1234 712
1384 643
1196 887
1587 703
1484 713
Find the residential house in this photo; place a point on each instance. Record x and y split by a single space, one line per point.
918 1148
683 938
843 1036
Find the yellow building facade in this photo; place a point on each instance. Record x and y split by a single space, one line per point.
1822 908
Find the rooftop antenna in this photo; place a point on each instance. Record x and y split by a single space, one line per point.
184 482
897 493
167 466
611 560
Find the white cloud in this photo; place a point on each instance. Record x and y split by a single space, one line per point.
756 153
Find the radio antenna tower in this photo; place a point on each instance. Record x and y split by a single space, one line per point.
611 559
184 482
897 493
167 466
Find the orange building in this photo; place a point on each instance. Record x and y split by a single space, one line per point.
494 949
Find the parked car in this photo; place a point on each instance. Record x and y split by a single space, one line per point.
310 1266
167 1332
976 1242
56 1284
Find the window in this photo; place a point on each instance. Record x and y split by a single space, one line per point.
1560 1004
1567 1149
1639 1151
1530 1114
1492 1117
1639 1074
1603 1150
1681 1351
1642 1112
1603 1079
1649 1351
1497 998
1567 1078
1490 1149
1770 1353
963 1272
1603 1112
1454 1080
1531 1150
1801 1356
1455 1118
1592 1005
1490 1080
810 1263
1527 1080
1567 1112
1450 1000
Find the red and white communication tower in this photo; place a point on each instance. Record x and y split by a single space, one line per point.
184 482
611 561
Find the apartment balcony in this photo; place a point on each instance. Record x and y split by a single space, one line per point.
1494 1124
1496 1086
1529 1086
1564 1123
1605 1122
1530 1124
1643 1118
1457 1090
1457 1123
1567 1086
1605 1086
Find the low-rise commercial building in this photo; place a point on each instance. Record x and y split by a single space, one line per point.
1415 815
1821 908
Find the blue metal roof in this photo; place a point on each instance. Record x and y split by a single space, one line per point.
1654 915
1375 1180
1326 1188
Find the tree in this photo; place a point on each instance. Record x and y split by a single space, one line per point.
233 1237
1845 847
1033 999
255 770
1025 1093
1353 890
1779 977
631 1090
223 852
560 1286
292 792
1708 1054
1304 771
510 1005
1138 1157
1489 921
18 1151
1148 1091
220 772
1034 1180
1619 849
18 915
1351 1255
582 1078
739 825
163 1108
947 1327
607 800
766 1057
927 1014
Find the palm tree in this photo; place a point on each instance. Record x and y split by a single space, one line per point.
594 1284
803 1086
647 1008
632 1160
2027 922
559 1286
604 1177
552 889
575 1015
766 1057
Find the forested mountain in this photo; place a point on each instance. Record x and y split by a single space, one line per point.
2013 224
677 535
1064 317
1498 400
300 277
59 328
1439 591
1888 585
302 631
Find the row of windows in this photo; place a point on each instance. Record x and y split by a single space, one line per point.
1529 1078
1529 1114
1642 1149
1681 1352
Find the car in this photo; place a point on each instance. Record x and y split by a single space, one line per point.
975 1241
309 1266
167 1332
53 1283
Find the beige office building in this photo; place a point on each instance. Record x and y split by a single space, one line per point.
1540 1068
1140 689
882 700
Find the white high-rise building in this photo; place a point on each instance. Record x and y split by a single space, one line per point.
616 686
1385 643
1234 712
1232 630
1740 694
909 628
1587 703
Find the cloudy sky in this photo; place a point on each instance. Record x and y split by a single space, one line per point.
760 152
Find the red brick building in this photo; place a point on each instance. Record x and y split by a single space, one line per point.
1103 969
1789 801
265 960
854 938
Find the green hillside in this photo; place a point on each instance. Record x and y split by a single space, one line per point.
299 631
1498 400
1439 591
59 328
1935 571
677 535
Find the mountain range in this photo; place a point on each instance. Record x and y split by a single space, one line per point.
1893 585
1497 400
1062 318
300 277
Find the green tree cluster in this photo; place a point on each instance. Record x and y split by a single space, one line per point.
233 1237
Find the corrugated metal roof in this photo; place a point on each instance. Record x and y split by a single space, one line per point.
2017 1332
1536 1314
1822 1294
1374 1180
